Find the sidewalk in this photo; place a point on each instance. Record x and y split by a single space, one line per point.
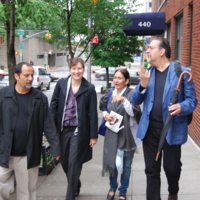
95 187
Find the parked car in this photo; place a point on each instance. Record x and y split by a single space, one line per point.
101 74
134 76
53 77
4 80
41 78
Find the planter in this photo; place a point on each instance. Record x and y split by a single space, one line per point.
104 88
47 161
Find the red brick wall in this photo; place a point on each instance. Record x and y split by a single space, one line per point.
172 9
195 126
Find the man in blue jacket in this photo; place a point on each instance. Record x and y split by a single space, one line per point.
155 91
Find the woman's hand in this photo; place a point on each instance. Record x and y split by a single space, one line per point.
109 118
117 98
93 142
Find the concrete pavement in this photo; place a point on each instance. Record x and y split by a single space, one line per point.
95 187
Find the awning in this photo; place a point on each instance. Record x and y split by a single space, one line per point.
146 24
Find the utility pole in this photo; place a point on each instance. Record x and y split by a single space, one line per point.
21 40
89 59
21 45
89 48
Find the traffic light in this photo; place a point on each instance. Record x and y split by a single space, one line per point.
94 1
17 52
48 35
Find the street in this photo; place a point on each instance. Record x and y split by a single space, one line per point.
94 186
64 72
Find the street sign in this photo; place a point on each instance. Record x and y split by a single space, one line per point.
45 58
95 39
152 23
20 32
21 45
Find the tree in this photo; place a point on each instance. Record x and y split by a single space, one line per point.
72 22
9 23
8 17
66 20
116 49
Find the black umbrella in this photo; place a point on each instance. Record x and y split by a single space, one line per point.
167 123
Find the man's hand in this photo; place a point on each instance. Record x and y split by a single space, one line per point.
57 157
93 142
144 76
175 109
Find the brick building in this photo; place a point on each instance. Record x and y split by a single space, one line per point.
183 33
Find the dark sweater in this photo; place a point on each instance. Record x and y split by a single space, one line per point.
156 117
20 131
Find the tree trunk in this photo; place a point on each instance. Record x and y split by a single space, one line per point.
107 77
10 27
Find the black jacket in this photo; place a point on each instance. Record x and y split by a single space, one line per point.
39 121
86 99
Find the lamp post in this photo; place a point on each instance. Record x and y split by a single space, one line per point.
45 60
21 40
89 59
89 48
21 45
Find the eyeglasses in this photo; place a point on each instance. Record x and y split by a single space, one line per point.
151 48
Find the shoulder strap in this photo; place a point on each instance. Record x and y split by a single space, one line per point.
109 95
178 69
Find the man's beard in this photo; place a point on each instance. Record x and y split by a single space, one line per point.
149 60
28 86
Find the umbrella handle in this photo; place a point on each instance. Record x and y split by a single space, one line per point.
180 78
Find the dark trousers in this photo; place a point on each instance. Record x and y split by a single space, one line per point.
171 164
69 161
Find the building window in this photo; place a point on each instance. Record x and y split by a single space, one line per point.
40 56
59 54
150 4
178 39
191 27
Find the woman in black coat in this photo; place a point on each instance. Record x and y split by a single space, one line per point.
74 108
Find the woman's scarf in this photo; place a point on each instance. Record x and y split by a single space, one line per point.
121 140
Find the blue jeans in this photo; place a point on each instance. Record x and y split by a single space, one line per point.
125 176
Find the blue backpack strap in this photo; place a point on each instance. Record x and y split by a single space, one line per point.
109 95
102 127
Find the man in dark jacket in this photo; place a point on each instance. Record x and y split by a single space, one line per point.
24 116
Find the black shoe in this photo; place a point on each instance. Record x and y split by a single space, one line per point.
79 188
110 197
173 197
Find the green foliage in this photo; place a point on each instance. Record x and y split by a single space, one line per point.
116 49
70 19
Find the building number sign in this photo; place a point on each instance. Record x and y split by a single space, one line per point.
145 24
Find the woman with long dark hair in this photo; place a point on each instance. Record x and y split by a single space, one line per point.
119 148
